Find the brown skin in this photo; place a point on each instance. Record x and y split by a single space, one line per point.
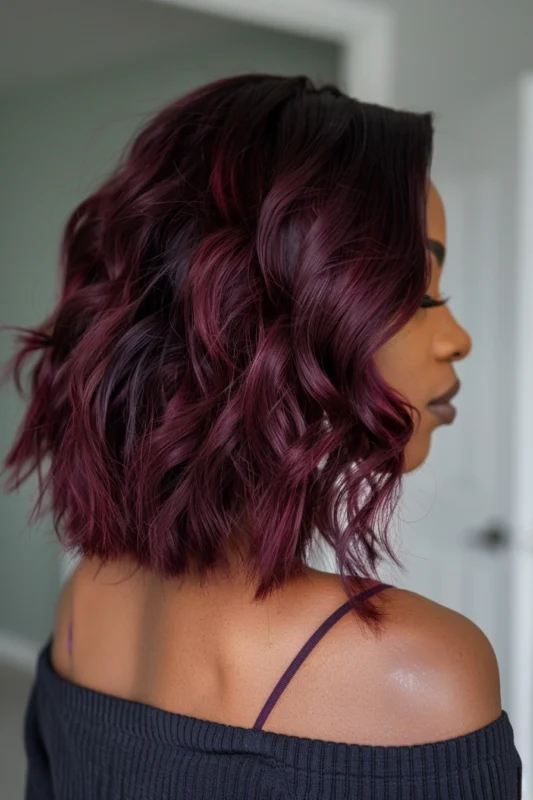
419 361
214 654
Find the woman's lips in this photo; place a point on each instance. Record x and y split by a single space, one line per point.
442 408
444 412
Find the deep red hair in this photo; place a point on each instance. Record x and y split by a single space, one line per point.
208 368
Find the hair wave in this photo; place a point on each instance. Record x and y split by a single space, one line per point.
206 378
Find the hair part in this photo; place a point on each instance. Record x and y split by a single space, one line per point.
207 376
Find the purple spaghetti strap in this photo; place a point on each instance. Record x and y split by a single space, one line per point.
308 646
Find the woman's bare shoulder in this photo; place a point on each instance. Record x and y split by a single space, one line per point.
436 674
427 675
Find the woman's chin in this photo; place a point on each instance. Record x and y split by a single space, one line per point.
417 452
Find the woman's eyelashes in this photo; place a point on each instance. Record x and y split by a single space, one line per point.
431 302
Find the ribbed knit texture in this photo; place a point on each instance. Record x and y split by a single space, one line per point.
86 745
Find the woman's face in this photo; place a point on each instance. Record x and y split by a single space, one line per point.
419 361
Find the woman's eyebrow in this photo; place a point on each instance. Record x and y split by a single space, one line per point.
438 250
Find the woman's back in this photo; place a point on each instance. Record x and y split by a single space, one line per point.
209 658
209 652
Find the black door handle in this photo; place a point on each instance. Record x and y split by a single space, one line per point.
493 537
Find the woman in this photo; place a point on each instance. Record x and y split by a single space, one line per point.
249 350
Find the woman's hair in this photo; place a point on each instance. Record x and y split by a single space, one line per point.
206 380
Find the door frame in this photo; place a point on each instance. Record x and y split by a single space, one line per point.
522 446
364 33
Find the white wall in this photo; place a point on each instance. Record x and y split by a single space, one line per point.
448 53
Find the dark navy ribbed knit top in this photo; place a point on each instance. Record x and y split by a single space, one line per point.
86 745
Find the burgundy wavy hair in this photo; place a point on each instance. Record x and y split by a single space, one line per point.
206 380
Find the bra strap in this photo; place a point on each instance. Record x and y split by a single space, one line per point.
308 647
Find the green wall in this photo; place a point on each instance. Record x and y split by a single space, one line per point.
56 141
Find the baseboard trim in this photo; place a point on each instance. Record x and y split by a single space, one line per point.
18 651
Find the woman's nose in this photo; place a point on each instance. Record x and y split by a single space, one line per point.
454 342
